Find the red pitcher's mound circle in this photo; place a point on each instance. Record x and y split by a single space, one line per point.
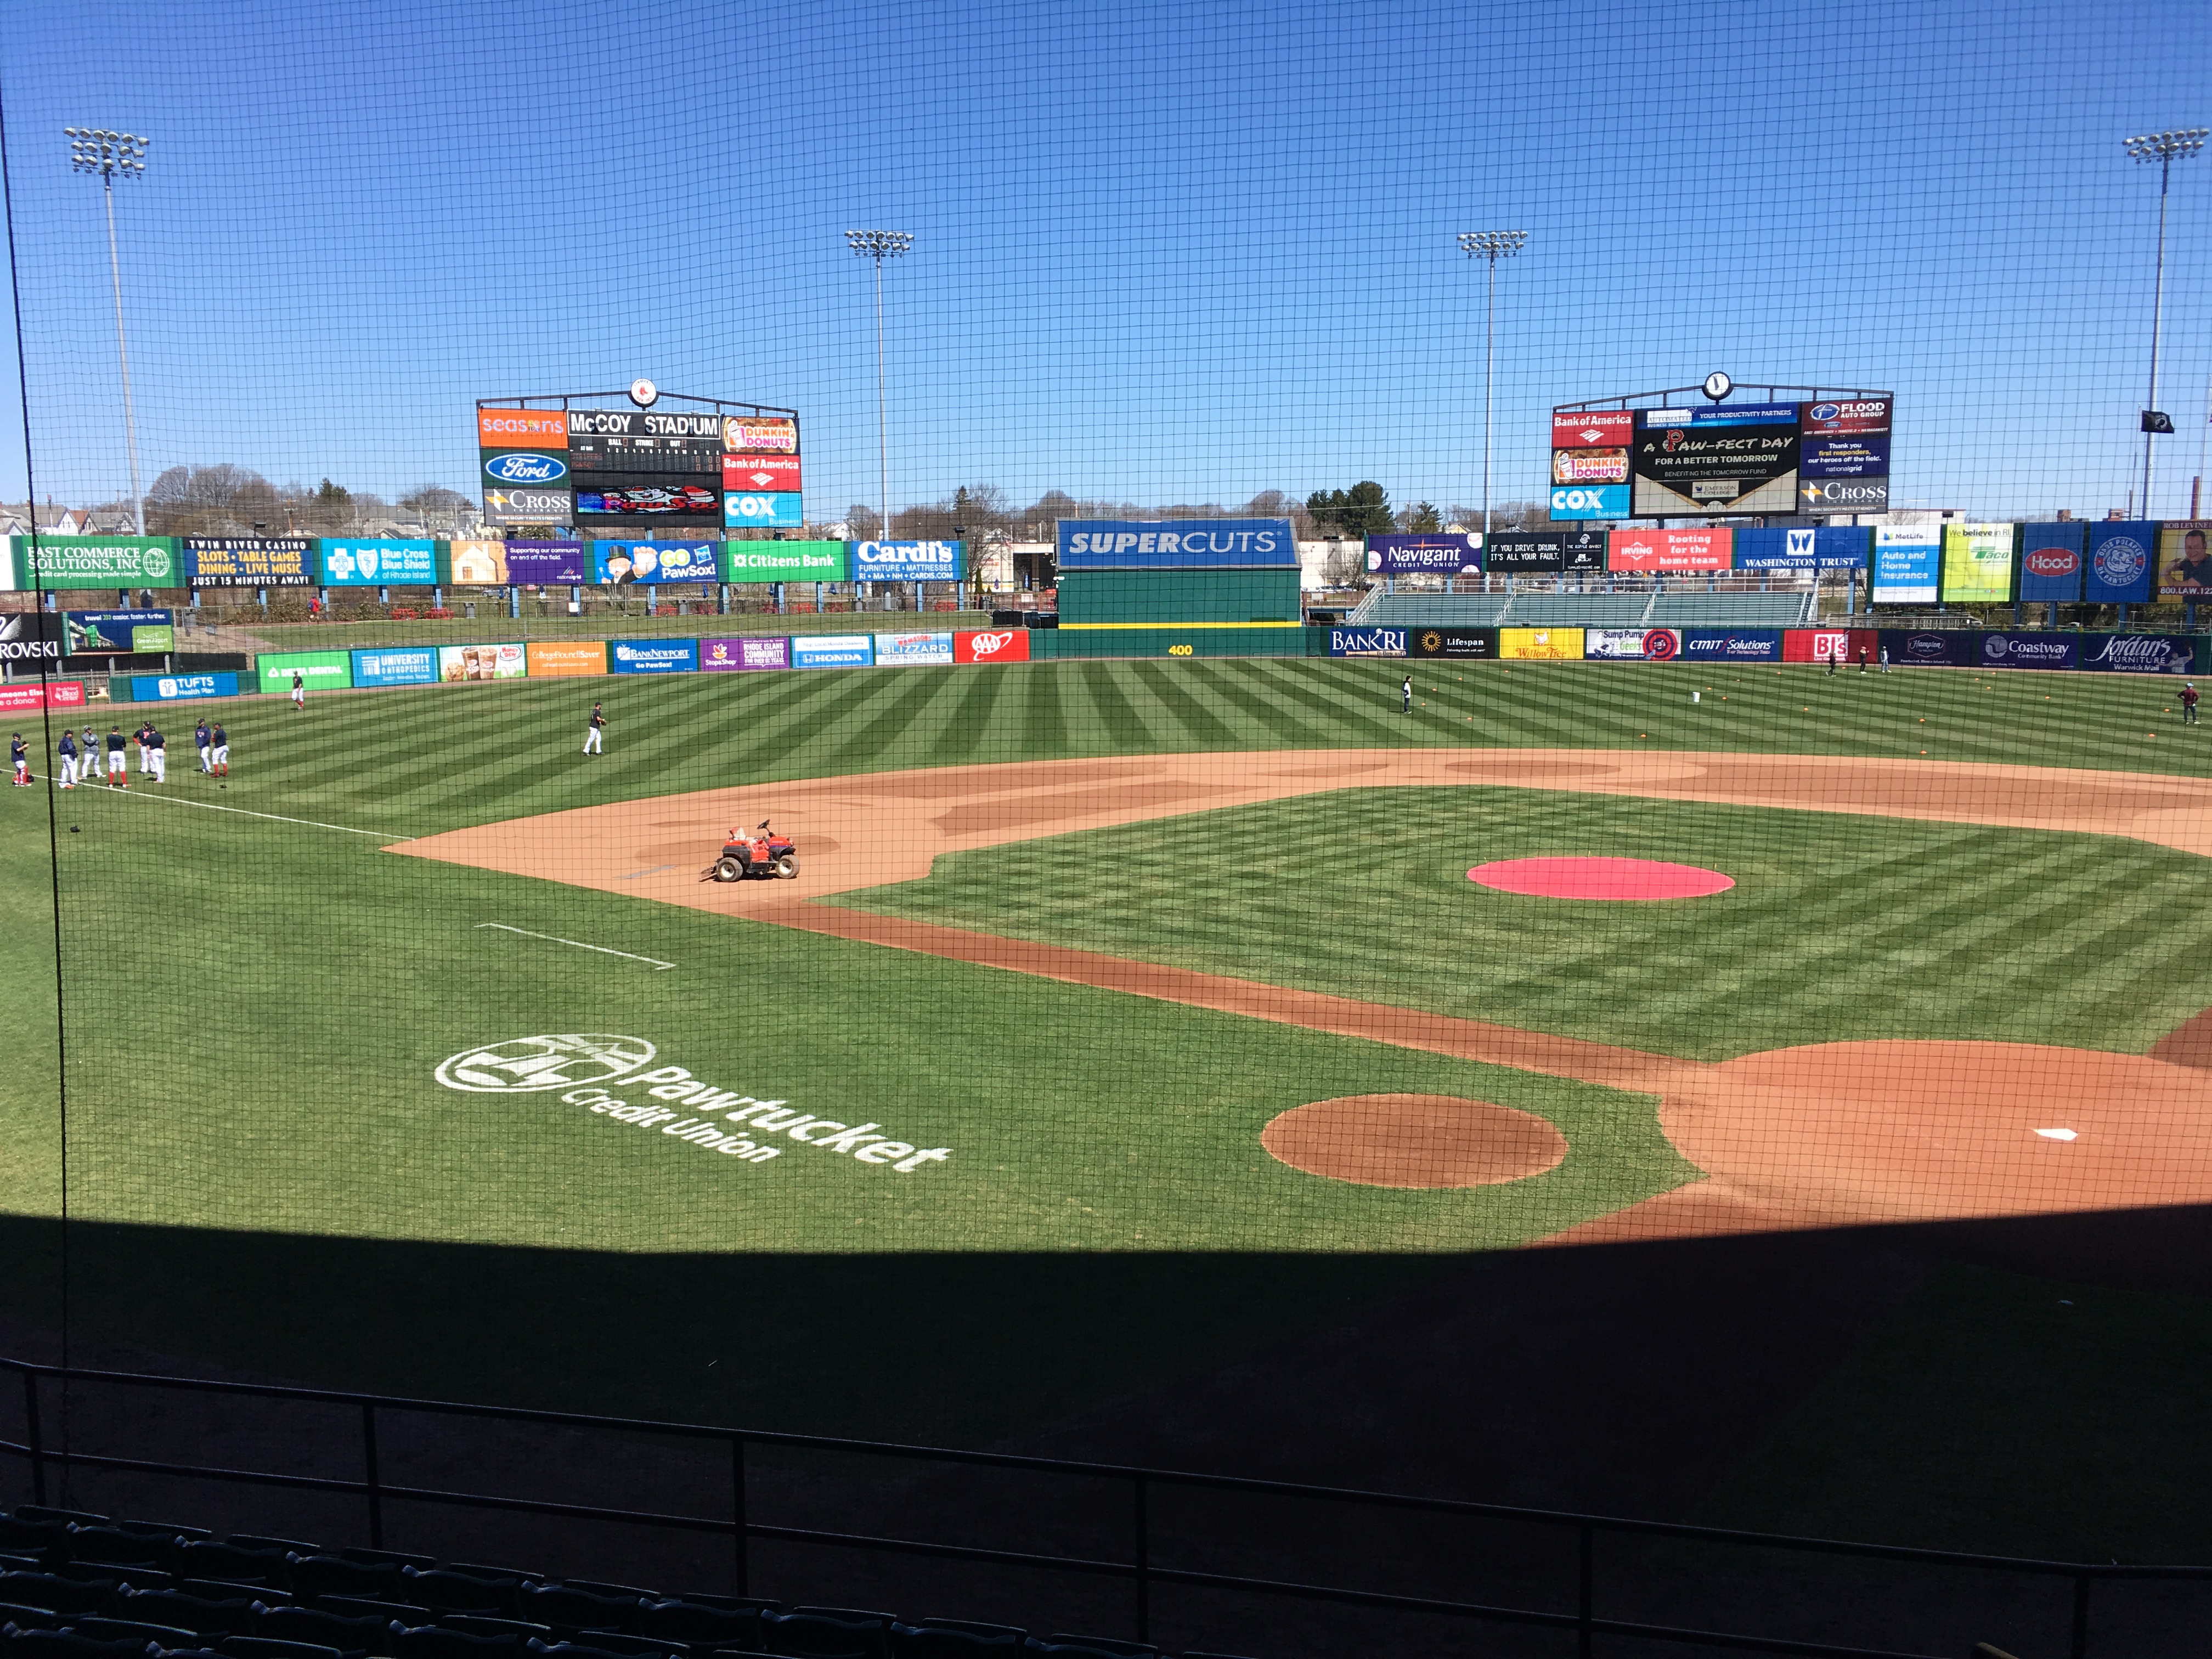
1599 878
1414 1140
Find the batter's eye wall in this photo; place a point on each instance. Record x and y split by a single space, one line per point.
1097 598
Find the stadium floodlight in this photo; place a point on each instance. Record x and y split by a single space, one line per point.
2165 148
879 245
1492 245
107 155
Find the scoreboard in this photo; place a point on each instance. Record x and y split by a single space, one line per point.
636 469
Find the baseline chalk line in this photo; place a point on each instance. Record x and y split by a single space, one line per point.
556 939
275 817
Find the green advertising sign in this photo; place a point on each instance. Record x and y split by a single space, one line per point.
320 671
783 562
1978 561
49 562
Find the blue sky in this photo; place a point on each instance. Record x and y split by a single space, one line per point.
1162 251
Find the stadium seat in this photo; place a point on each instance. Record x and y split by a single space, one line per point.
289 1546
18 1532
233 1563
334 1575
436 1642
591 1587
313 1627
164 1530
623 1646
49 1589
67 1644
813 1633
129 1629
262 1647
201 1615
222 1589
1091 1647
40 1512
363 1606
459 1592
698 1623
112 1545
564 1606
479 1624
392 1556
947 1639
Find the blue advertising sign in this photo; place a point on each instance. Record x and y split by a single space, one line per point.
1445 554
1745 414
397 665
617 562
1591 502
1174 543
1855 456
2138 654
906 561
2120 563
2030 651
777 509
526 466
1732 645
2052 561
1931 649
1775 549
1367 642
173 687
653 656
1908 559
832 650
378 563
1842 546
89 633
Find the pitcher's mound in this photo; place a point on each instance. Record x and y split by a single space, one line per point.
1599 878
1414 1140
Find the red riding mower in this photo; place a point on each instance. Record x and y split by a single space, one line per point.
762 853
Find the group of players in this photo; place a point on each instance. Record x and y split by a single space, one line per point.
78 759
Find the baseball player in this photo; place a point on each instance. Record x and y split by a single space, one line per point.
118 773
156 745
2189 695
1406 697
594 730
219 750
145 729
67 749
87 757
298 693
202 739
19 752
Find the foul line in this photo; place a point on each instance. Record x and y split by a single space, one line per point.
274 817
578 943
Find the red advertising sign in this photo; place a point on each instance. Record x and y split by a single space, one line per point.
27 697
999 645
759 435
1604 466
1862 414
1598 429
522 429
1670 549
1821 644
760 472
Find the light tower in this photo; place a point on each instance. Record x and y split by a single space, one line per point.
2165 148
1492 245
879 245
96 151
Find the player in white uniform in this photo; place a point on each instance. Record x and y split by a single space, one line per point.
118 766
66 751
157 746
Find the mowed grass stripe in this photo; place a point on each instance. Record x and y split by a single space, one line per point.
1344 713
1198 725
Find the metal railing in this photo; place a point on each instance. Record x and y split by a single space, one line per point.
1141 1569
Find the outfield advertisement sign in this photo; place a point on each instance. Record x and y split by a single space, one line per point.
377 564
91 633
832 650
1977 560
1730 458
907 562
1530 550
2121 567
776 473
556 659
1732 644
466 664
547 564
993 645
913 648
1590 502
94 561
1931 649
181 687
2030 651
2138 654
1907 561
1540 644
762 509
1670 549
522 429
653 656
250 562
747 651
30 637
415 664
1453 554
1174 543
1458 644
1824 547
2052 562
319 670
1826 644
617 564
2184 559
1631 644
36 696
784 561
1367 642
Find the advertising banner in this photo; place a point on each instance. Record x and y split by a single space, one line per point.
86 633
1732 644
1174 543
1831 496
763 511
2030 651
532 505
320 671
2052 561
376 564
249 561
557 660
754 434
1462 644
2184 564
1589 500
2121 570
1590 466
1366 641
31 637
1978 563
653 656
1670 549
1771 548
1540 644
913 648
178 687
1906 559
1434 556
626 498
746 652
525 469
397 665
832 650
994 645
33 696
1593 428
95 561
907 561
1843 457
1631 644
617 564
1931 649
1526 550
522 429
464 663
551 564
1867 415
784 561
478 564
1732 458
1823 644
769 472
1583 550
656 423
2138 654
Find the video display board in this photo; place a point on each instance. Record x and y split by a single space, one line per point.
600 468
1819 459
1731 457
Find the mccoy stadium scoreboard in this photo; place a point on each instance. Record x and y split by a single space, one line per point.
714 464
1818 457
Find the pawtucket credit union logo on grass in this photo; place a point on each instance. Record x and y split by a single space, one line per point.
579 1064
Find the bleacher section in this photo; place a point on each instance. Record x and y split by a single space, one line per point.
1634 609
1730 611
75 1586
1432 609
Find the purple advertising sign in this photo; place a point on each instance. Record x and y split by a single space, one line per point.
750 651
1439 555
560 563
2031 650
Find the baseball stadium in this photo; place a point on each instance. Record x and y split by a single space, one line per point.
624 1062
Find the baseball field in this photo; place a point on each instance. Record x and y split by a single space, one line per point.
1123 1017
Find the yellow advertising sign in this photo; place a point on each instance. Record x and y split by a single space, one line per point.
565 659
1978 563
1540 644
